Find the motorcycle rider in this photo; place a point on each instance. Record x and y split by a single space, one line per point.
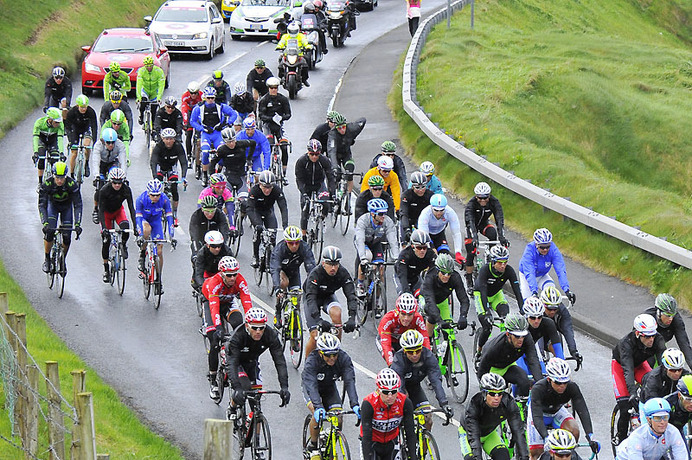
319 21
293 33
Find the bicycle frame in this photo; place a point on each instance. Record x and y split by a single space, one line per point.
78 173
483 253
292 332
246 429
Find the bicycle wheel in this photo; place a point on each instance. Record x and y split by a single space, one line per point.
335 212
345 211
112 263
78 173
261 446
457 373
338 450
320 235
295 328
61 271
220 380
614 441
265 265
306 433
50 276
362 311
430 450
476 341
146 275
378 301
158 285
239 435
120 270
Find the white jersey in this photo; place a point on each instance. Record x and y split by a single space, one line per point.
431 225
643 445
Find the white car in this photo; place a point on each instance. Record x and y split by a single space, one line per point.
255 18
190 27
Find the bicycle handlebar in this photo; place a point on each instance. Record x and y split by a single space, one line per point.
424 410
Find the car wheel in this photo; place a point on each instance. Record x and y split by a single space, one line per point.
222 47
86 91
210 54
236 37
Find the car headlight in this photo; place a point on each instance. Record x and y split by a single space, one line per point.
200 35
92 67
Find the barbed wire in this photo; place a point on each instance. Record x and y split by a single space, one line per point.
8 373
20 447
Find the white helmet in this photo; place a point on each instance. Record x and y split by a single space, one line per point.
213 237
293 28
645 324
673 359
533 307
558 370
328 343
385 163
427 168
481 188
411 339
273 81
193 87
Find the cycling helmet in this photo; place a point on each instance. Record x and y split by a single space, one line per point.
256 315
685 385
154 187
376 181
328 343
168 133
656 406
82 101
249 123
331 254
170 101
208 202
418 178
293 28
542 236
481 188
217 75
388 147
53 113
444 263
239 87
266 178
666 304
148 60
260 63
213 237
109 135
238 122
273 82
419 237
228 264
209 91
427 168
117 116
388 379
114 67
438 201
558 370
499 253
673 358
217 179
406 303
319 4
377 206
309 7
292 233
339 120
516 324
228 134
384 163
115 96
314 146
551 297
533 307
492 382
560 440
193 87
116 174
58 72
411 339
331 115
645 324
60 169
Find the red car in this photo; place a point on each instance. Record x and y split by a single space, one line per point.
125 46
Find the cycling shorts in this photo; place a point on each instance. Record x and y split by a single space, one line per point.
619 385
73 136
330 396
209 141
55 211
541 281
416 394
118 217
156 225
324 303
556 420
493 440
494 301
250 376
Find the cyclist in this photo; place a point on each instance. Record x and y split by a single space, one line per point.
671 324
542 328
151 207
655 439
383 412
206 260
224 198
223 89
116 101
486 410
413 201
59 196
284 265
339 143
191 98
243 351
293 33
209 119
321 132
115 80
559 313
389 150
413 260
547 407
501 353
372 230
433 183
261 159
48 137
118 122
166 153
662 380
436 289
111 154
81 120
314 174
539 257
681 404
560 445
375 190
260 209
205 219
414 363
434 219
629 364
322 369
150 83
273 109
487 292
405 317
227 296
109 201
391 181
242 100
257 79
320 287
58 90
477 217
168 116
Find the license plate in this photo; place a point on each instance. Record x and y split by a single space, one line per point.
172 43
255 26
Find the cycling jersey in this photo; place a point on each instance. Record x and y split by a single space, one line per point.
369 236
173 120
563 321
389 332
679 417
54 92
339 146
411 207
435 292
153 213
270 105
283 259
234 160
319 287
482 420
630 352
535 265
261 204
150 83
546 402
226 199
163 159
312 175
361 206
110 200
380 423
223 92
547 331
110 83
67 198
123 131
408 268
657 384
321 133
207 263
187 103
258 81
43 130
319 378
200 225
675 329
261 160
77 123
489 282
391 184
477 217
208 118
107 108
413 374
217 293
643 445
399 169
500 353
433 226
116 156
243 103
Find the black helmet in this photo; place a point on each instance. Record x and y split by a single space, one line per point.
331 254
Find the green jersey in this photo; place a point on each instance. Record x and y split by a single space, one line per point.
151 83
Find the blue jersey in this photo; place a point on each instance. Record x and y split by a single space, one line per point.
261 161
153 213
534 265
643 445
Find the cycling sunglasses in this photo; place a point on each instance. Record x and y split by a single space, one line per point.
495 393
330 355
219 246
209 209
482 197
389 392
558 454
413 351
377 187
257 328
543 246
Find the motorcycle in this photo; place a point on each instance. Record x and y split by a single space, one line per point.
290 71
338 13
310 28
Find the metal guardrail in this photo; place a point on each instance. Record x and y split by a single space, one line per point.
608 225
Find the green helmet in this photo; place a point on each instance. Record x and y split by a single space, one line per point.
148 60
260 63
516 324
444 263
53 113
339 119
114 67
388 147
117 116
376 181
82 100
666 304
331 115
60 169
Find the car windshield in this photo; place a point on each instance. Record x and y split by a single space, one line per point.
282 3
123 44
175 14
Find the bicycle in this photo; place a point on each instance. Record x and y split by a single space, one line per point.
50 158
264 255
315 231
169 193
148 125
342 210
331 442
426 446
80 161
116 260
292 328
58 268
452 360
375 300
632 425
151 275
238 220
496 322
276 165
251 430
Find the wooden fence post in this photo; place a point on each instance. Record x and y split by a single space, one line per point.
10 320
21 408
103 457
87 435
218 439
32 403
56 423
4 303
78 386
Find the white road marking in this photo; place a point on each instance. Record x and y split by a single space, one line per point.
206 79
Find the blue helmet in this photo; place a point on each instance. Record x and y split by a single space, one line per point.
249 123
378 206
109 135
154 187
438 200
542 236
656 405
209 92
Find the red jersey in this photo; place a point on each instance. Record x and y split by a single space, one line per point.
390 329
189 101
386 419
214 287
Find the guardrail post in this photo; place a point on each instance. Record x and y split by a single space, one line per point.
218 439
56 424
